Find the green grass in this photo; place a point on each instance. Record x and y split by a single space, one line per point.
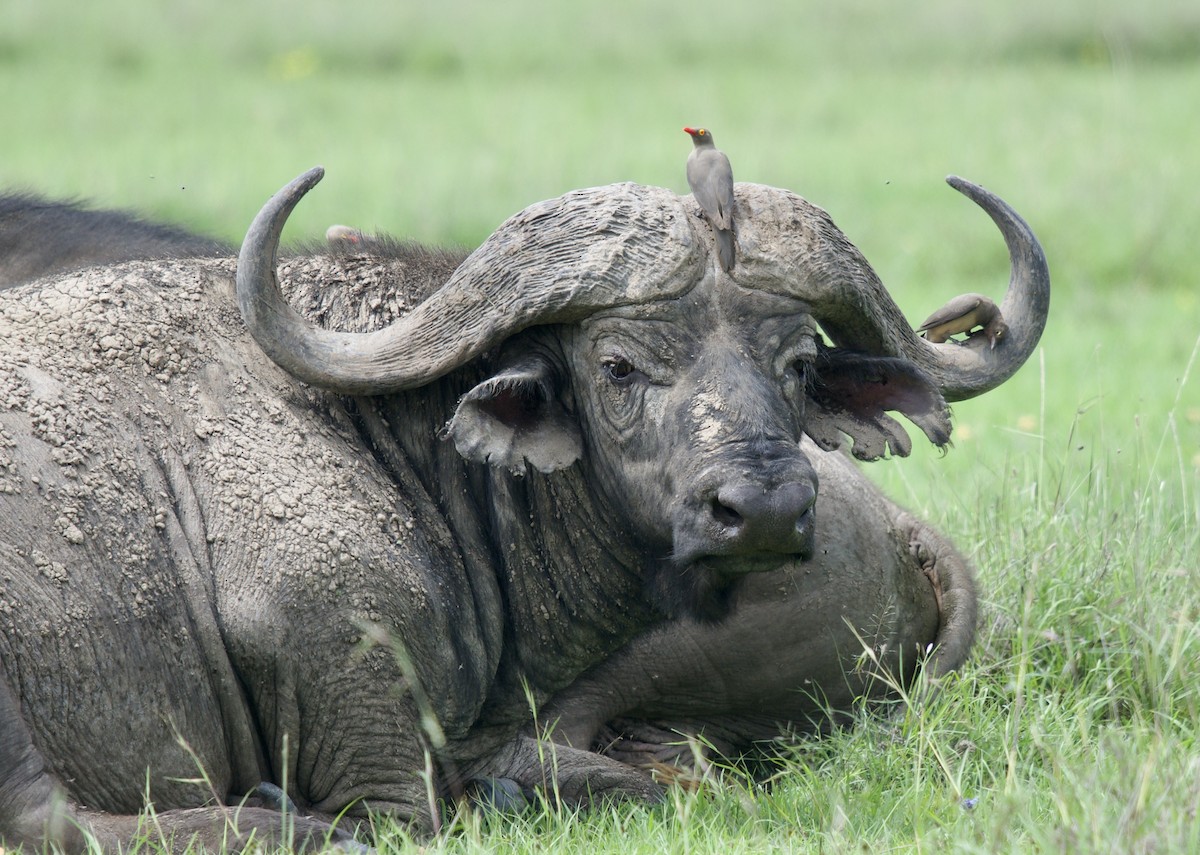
1075 487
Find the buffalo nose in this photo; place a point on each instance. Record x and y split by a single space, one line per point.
777 519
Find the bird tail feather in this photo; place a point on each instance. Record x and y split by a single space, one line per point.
725 248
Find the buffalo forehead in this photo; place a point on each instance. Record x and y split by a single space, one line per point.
676 330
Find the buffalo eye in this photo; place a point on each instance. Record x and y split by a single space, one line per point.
620 371
796 381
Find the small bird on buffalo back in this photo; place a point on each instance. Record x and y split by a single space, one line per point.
343 234
963 314
711 178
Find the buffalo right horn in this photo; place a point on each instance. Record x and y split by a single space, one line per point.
965 370
857 312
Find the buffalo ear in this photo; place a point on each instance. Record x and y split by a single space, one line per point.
851 392
515 417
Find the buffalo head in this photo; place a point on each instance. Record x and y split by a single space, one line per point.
607 336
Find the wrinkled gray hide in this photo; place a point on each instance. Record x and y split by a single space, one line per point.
210 567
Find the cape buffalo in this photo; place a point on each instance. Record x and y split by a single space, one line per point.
213 571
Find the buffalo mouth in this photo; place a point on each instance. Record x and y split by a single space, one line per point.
704 585
737 566
732 546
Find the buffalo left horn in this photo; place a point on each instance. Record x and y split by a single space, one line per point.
554 262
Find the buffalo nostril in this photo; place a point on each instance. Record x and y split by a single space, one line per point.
725 515
777 518
798 499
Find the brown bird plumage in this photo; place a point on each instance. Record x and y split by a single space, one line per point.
343 234
962 315
711 178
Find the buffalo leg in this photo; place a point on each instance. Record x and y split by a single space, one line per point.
217 829
33 808
567 775
35 811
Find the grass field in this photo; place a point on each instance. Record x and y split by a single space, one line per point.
1075 487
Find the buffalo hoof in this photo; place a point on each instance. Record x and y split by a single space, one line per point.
498 795
270 796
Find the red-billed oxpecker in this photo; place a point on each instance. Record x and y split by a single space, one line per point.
711 178
963 314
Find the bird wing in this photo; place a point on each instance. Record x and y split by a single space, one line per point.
711 178
958 308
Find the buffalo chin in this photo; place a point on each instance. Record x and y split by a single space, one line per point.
706 590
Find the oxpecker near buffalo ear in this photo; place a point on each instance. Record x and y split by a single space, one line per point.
711 178
963 314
